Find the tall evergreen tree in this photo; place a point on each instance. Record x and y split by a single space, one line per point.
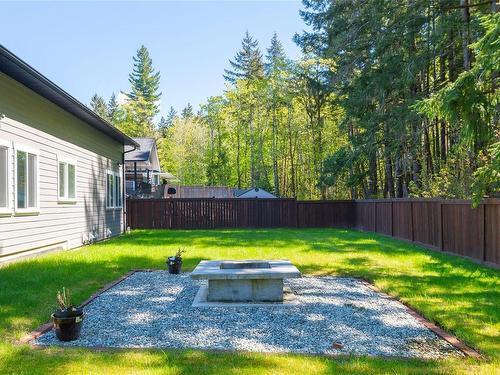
171 115
187 112
98 105
144 95
247 63
275 69
163 127
112 107
275 57
390 57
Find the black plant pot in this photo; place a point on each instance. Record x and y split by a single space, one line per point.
174 265
68 328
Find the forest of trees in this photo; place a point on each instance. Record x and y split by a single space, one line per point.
389 99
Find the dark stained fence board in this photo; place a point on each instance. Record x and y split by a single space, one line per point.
366 215
463 230
384 217
426 223
448 225
402 219
312 214
492 233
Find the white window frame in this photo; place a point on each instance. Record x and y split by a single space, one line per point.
29 210
114 174
7 210
65 198
120 190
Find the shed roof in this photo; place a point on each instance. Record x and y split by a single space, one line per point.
240 192
143 152
17 69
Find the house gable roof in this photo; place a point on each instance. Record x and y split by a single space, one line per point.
17 69
143 152
239 192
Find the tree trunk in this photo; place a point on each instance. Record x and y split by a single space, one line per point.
252 151
428 154
238 167
275 152
436 146
465 33
372 173
290 151
389 180
399 175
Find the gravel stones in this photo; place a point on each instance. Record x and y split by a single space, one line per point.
154 310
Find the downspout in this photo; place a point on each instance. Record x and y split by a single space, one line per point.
124 187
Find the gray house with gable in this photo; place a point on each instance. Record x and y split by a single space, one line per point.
61 166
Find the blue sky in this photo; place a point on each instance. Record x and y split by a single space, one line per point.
87 47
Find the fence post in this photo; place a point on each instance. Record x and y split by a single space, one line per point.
412 222
484 231
441 241
296 213
392 218
174 214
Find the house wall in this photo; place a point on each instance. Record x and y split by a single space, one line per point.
32 121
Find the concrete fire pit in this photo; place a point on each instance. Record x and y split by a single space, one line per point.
245 280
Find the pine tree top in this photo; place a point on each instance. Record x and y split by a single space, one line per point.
275 57
99 106
144 80
247 63
187 112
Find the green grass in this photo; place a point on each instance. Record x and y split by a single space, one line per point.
459 295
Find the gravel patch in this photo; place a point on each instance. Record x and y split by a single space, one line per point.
153 310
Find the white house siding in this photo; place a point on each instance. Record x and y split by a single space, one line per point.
32 121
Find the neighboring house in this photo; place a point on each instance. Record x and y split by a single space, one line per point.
142 166
201 191
61 169
253 193
216 192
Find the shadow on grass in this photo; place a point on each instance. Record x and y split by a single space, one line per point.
51 361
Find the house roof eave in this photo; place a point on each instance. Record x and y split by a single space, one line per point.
20 71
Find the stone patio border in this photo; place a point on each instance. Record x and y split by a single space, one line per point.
453 340
48 326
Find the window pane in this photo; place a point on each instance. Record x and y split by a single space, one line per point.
3 176
62 179
118 197
71 181
120 190
108 203
110 190
21 179
32 176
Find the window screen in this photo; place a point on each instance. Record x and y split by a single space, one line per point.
4 187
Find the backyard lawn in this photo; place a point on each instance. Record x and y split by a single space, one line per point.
457 294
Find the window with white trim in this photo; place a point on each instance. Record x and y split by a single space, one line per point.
4 177
66 190
26 178
114 190
118 190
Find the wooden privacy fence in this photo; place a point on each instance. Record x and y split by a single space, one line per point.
446 225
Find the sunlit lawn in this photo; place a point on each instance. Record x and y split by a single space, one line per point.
459 295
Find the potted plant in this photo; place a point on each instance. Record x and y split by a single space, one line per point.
175 262
67 318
